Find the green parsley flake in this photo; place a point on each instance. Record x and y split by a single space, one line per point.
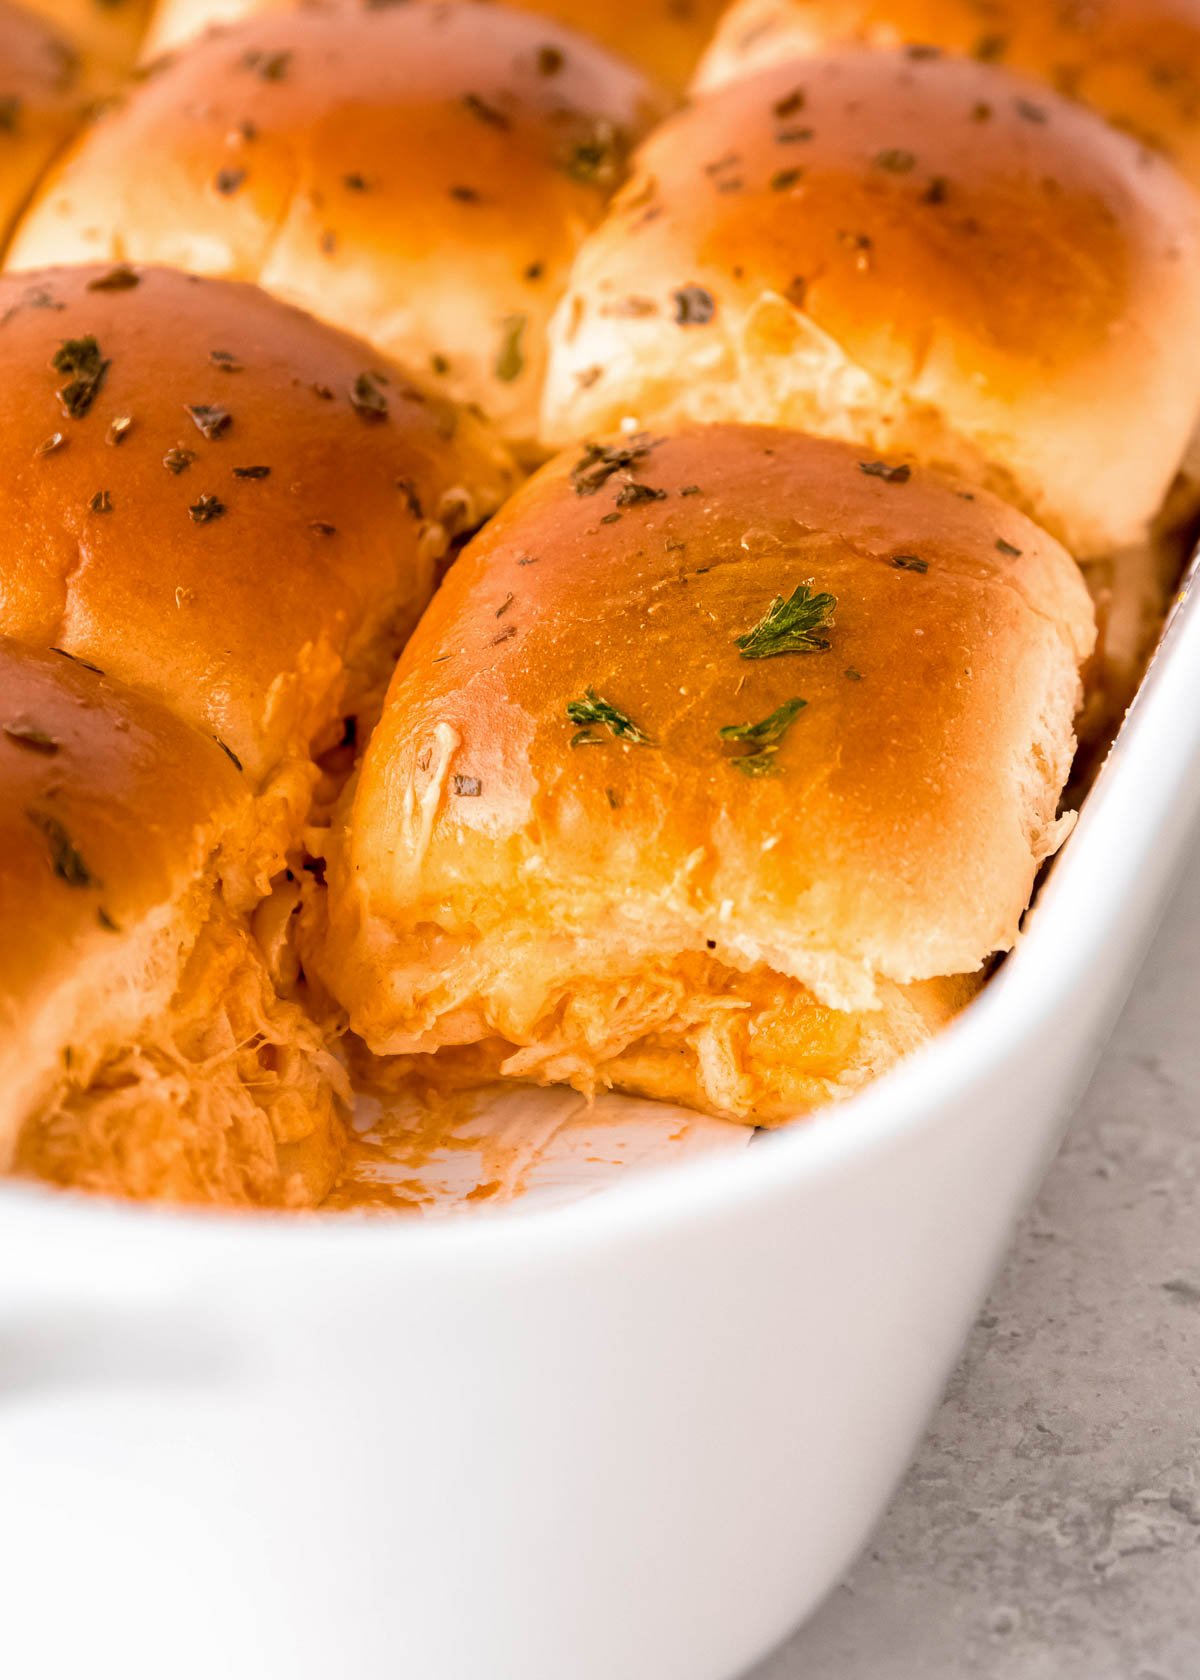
790 626
763 739
593 712
510 361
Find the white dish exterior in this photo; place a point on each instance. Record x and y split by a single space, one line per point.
633 1439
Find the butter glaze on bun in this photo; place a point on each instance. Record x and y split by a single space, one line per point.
420 174
222 502
1137 62
42 94
662 37
927 255
554 854
143 1050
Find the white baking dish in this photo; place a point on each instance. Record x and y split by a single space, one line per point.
634 1439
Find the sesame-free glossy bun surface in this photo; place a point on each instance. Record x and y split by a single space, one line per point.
923 254
510 874
662 37
1137 62
420 174
255 564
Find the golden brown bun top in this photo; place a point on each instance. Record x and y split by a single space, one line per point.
904 809
420 174
106 33
108 806
926 254
215 498
41 102
662 37
1137 62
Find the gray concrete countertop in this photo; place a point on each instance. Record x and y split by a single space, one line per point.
1050 1527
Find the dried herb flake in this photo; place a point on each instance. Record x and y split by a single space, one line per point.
122 278
229 753
510 361
210 419
890 475
600 461
763 739
790 103
80 359
694 306
485 111
895 160
269 67
65 857
367 399
598 159
594 712
632 495
76 660
790 626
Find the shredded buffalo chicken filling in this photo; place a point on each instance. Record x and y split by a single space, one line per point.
230 1097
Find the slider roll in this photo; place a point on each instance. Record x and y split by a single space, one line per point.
144 1050
420 175
717 770
1136 62
222 502
664 38
917 254
221 519
42 102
